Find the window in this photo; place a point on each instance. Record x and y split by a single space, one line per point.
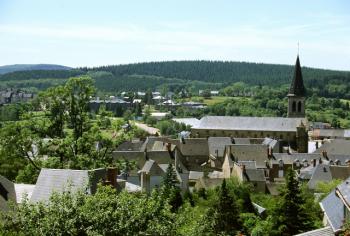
294 107
299 106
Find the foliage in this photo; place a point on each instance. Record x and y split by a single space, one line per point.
326 187
292 214
105 213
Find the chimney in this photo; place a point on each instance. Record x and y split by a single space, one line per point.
267 164
314 162
243 169
324 154
112 176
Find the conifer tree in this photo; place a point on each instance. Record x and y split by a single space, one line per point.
170 192
227 212
294 218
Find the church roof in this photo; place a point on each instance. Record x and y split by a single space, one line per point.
250 123
297 85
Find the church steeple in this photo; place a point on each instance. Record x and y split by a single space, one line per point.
296 94
297 85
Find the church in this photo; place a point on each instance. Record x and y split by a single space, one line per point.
290 131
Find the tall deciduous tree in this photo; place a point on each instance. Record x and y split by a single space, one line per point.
79 91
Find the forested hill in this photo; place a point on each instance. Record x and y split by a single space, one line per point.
179 75
221 72
28 67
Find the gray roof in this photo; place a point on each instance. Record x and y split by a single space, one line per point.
255 175
290 158
152 168
7 192
252 152
250 123
217 145
248 164
326 231
194 147
321 173
336 146
332 206
59 180
344 190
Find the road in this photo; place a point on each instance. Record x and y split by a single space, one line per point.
148 129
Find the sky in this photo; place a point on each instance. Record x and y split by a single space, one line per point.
107 32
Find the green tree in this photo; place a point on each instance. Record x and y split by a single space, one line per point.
226 212
79 90
292 216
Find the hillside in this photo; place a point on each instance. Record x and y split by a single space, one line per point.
189 75
28 67
219 71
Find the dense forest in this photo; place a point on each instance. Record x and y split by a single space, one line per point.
189 75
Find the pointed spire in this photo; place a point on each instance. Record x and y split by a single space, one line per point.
297 85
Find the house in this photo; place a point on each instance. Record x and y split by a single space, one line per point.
153 173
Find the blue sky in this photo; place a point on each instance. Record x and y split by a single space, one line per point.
105 32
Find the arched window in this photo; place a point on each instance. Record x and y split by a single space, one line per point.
294 107
299 106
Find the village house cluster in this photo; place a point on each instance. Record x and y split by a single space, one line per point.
258 150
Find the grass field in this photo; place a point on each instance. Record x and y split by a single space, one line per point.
212 100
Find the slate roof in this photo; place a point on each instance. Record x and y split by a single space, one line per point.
336 146
152 168
332 206
59 180
290 158
7 193
297 85
321 173
217 145
344 190
250 123
326 231
252 152
255 175
248 164
194 147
